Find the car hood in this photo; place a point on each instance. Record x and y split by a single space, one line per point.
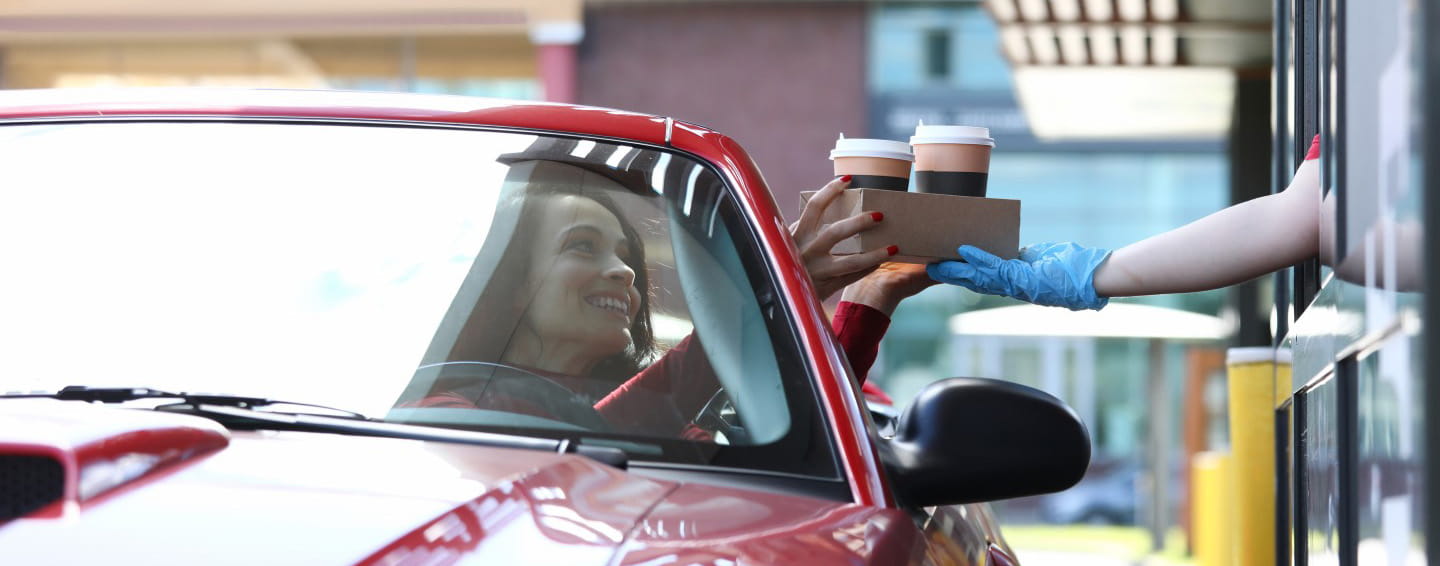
200 494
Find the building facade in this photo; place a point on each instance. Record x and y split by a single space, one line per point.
782 78
483 47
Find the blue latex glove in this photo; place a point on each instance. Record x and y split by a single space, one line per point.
1051 274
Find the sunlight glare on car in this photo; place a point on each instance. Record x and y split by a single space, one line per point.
223 219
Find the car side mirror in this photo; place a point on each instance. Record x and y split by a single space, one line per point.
968 439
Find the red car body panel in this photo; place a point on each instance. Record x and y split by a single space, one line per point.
97 457
332 105
309 498
316 498
706 525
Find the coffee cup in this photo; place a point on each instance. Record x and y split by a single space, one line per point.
872 163
952 160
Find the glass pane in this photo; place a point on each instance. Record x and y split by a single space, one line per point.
1388 501
1322 481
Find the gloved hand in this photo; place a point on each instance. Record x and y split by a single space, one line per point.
1051 274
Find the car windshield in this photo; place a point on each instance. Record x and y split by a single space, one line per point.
553 286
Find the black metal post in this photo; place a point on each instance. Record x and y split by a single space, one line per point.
1250 177
1280 138
1283 473
1306 275
1347 457
1428 115
1300 525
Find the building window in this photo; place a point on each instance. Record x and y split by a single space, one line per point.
937 54
915 47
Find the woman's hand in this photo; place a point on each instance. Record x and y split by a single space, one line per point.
816 239
884 288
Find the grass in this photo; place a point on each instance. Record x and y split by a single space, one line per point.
1126 543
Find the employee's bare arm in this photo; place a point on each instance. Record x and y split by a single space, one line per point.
1233 245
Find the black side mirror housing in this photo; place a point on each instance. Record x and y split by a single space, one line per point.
968 439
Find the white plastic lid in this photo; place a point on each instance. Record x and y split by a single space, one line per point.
974 135
1284 356
866 147
1258 354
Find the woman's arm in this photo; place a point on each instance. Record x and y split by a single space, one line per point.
662 398
866 307
1236 244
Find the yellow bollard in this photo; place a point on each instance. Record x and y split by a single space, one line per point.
1252 384
1211 509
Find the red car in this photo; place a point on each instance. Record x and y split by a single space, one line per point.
334 328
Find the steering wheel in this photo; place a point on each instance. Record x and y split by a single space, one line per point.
719 415
511 389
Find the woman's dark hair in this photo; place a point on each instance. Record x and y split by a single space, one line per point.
509 290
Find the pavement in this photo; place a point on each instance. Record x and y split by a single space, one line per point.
1031 557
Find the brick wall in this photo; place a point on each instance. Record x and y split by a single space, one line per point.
783 79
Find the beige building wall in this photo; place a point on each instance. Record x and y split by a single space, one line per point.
307 63
276 43
209 63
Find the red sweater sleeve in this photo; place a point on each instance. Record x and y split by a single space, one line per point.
661 398
859 329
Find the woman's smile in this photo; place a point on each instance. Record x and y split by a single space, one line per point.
618 306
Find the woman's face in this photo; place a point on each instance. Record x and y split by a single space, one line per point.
583 289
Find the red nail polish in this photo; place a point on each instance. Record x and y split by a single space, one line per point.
892 249
878 216
846 178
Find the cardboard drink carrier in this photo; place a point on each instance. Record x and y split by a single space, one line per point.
927 227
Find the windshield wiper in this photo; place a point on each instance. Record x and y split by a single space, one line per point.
238 411
127 394
240 417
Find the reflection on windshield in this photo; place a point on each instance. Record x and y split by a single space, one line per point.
537 283
236 258
561 301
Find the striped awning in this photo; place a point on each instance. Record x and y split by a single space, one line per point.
1203 33
1132 69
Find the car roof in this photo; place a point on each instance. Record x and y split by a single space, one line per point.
328 104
